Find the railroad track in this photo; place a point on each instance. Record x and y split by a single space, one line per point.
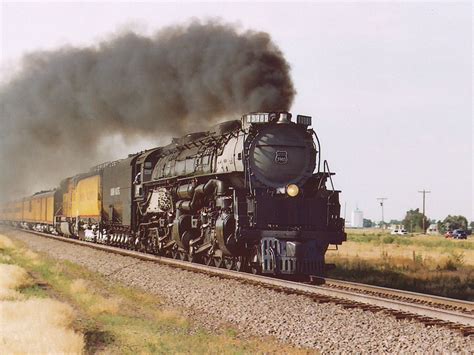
404 296
427 309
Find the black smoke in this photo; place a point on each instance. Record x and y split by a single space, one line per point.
56 111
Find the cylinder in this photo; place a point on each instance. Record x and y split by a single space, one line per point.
185 191
184 205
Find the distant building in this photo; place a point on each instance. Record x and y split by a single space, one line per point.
433 229
357 220
396 226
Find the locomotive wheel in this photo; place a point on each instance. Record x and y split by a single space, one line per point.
255 262
238 264
193 258
174 254
255 269
182 255
208 260
218 261
229 263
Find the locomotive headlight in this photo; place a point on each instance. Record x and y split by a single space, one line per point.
292 190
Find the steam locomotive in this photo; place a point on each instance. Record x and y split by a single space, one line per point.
248 194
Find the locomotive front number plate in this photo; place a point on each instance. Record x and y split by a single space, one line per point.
281 157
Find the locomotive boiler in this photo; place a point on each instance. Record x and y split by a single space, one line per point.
247 194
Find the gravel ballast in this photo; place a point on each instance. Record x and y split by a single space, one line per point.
258 311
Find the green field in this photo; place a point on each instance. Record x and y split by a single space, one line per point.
420 263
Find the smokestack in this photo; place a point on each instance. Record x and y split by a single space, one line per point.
59 107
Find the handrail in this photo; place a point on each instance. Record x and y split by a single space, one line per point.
318 149
326 172
326 165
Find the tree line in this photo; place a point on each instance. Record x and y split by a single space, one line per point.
413 222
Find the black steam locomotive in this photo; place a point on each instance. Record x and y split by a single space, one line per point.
249 194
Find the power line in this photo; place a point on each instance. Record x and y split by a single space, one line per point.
424 192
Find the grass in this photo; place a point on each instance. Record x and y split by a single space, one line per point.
32 323
412 239
40 326
117 319
12 278
420 263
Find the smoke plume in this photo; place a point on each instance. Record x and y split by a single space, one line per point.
56 112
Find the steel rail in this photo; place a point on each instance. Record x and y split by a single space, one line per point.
426 298
421 312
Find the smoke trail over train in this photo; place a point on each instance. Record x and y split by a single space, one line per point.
57 110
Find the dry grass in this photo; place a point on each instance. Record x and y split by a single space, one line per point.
103 305
432 256
38 326
5 243
32 326
420 263
169 315
96 303
78 286
12 277
5 258
31 255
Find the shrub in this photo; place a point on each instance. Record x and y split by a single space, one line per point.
403 241
388 239
455 261
417 258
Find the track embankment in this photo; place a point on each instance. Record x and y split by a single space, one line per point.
291 318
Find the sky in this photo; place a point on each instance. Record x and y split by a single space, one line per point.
388 84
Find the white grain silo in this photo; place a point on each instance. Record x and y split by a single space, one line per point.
357 218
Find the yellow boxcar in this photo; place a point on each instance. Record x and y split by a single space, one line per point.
17 211
39 208
28 209
45 214
50 209
11 211
86 199
67 198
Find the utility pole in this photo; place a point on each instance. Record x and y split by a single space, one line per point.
382 199
424 192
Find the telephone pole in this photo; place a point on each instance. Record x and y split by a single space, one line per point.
382 199
424 192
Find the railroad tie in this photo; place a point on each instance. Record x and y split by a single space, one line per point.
467 331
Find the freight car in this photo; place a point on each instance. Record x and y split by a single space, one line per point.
34 212
248 194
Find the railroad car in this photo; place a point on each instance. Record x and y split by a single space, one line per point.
78 204
37 211
11 212
32 212
247 194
